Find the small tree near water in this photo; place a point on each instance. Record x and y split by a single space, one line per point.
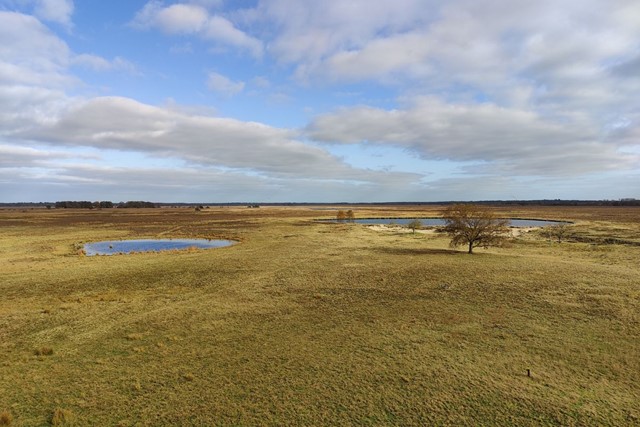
350 216
474 226
414 225
558 231
346 216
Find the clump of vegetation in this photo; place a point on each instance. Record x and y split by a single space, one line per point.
136 204
133 337
5 418
62 417
558 231
414 225
43 351
69 204
345 216
474 226
350 216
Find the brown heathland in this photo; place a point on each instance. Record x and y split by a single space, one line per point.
307 323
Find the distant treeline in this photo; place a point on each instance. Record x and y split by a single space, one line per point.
544 202
141 204
102 205
68 204
137 204
559 202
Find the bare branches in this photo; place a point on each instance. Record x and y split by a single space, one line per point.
474 226
414 225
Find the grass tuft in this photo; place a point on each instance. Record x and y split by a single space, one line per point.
133 337
43 351
62 417
5 418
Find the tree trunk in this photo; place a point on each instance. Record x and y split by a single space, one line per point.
470 247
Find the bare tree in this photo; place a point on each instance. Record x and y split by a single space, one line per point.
350 216
414 225
341 216
559 231
474 226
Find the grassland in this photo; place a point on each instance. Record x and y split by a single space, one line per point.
306 323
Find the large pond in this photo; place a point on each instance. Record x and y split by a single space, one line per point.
440 221
151 245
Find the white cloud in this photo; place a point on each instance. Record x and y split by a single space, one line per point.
553 57
30 53
509 90
482 187
310 31
381 58
98 63
509 141
185 18
25 107
181 18
261 82
35 72
629 68
184 184
123 124
222 30
56 11
12 156
59 11
222 84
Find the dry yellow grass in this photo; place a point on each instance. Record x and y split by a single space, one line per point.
305 323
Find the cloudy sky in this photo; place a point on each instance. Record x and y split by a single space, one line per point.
319 101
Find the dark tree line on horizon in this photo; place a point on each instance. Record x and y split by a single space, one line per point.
139 204
102 205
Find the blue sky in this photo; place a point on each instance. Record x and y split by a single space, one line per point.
306 101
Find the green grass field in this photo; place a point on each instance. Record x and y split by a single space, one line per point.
305 323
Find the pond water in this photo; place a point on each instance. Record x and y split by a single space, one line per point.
151 245
440 221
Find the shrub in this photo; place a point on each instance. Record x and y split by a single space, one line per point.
62 417
350 216
43 351
5 418
414 225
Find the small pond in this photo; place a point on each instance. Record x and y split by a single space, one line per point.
151 245
440 221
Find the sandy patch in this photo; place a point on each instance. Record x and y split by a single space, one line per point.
515 232
399 229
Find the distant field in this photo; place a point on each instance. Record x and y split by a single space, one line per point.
310 323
